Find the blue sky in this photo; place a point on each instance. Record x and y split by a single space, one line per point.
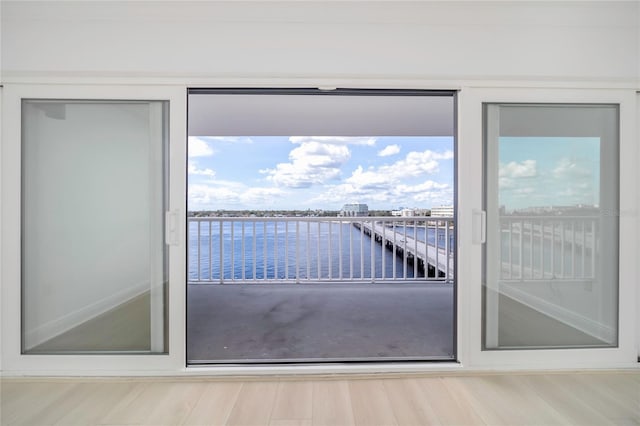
289 172
546 171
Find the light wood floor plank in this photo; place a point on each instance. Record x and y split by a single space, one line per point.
536 410
598 398
332 403
215 404
289 422
123 412
370 403
409 404
624 389
254 404
293 402
505 399
157 403
99 399
173 403
449 402
567 404
15 396
41 406
599 395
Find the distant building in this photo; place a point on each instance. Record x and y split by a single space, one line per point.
353 210
442 211
408 212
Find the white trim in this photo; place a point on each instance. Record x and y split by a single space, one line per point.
62 324
12 359
637 207
156 261
492 294
208 80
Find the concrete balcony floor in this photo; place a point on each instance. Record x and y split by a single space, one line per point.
312 322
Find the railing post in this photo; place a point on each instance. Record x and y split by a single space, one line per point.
221 272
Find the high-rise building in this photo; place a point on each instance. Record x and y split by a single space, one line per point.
353 210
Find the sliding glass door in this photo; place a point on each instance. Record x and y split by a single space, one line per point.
552 203
93 191
93 202
547 228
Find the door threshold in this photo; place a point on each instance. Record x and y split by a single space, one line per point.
358 368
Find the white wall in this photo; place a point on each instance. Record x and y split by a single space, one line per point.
572 42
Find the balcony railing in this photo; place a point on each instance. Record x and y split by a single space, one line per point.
318 249
542 248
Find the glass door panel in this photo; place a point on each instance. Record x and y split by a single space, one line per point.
551 253
94 269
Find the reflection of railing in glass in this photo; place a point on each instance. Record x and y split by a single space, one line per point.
548 247
312 249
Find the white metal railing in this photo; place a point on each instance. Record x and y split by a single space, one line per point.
541 248
320 249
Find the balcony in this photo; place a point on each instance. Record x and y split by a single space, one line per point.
320 289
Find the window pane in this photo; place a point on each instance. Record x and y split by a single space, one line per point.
93 259
551 277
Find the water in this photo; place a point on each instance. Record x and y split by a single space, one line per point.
324 251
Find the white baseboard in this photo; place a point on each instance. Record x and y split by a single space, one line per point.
60 325
566 316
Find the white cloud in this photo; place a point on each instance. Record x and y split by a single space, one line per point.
388 183
369 180
261 196
426 186
569 169
415 164
525 191
526 168
389 193
389 150
207 196
225 194
194 170
508 173
199 148
313 162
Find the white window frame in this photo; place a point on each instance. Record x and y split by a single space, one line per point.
13 361
470 219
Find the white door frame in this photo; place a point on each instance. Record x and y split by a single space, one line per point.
469 320
12 359
470 199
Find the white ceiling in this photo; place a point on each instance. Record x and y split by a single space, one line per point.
319 115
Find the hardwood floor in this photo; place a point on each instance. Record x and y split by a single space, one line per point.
594 398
